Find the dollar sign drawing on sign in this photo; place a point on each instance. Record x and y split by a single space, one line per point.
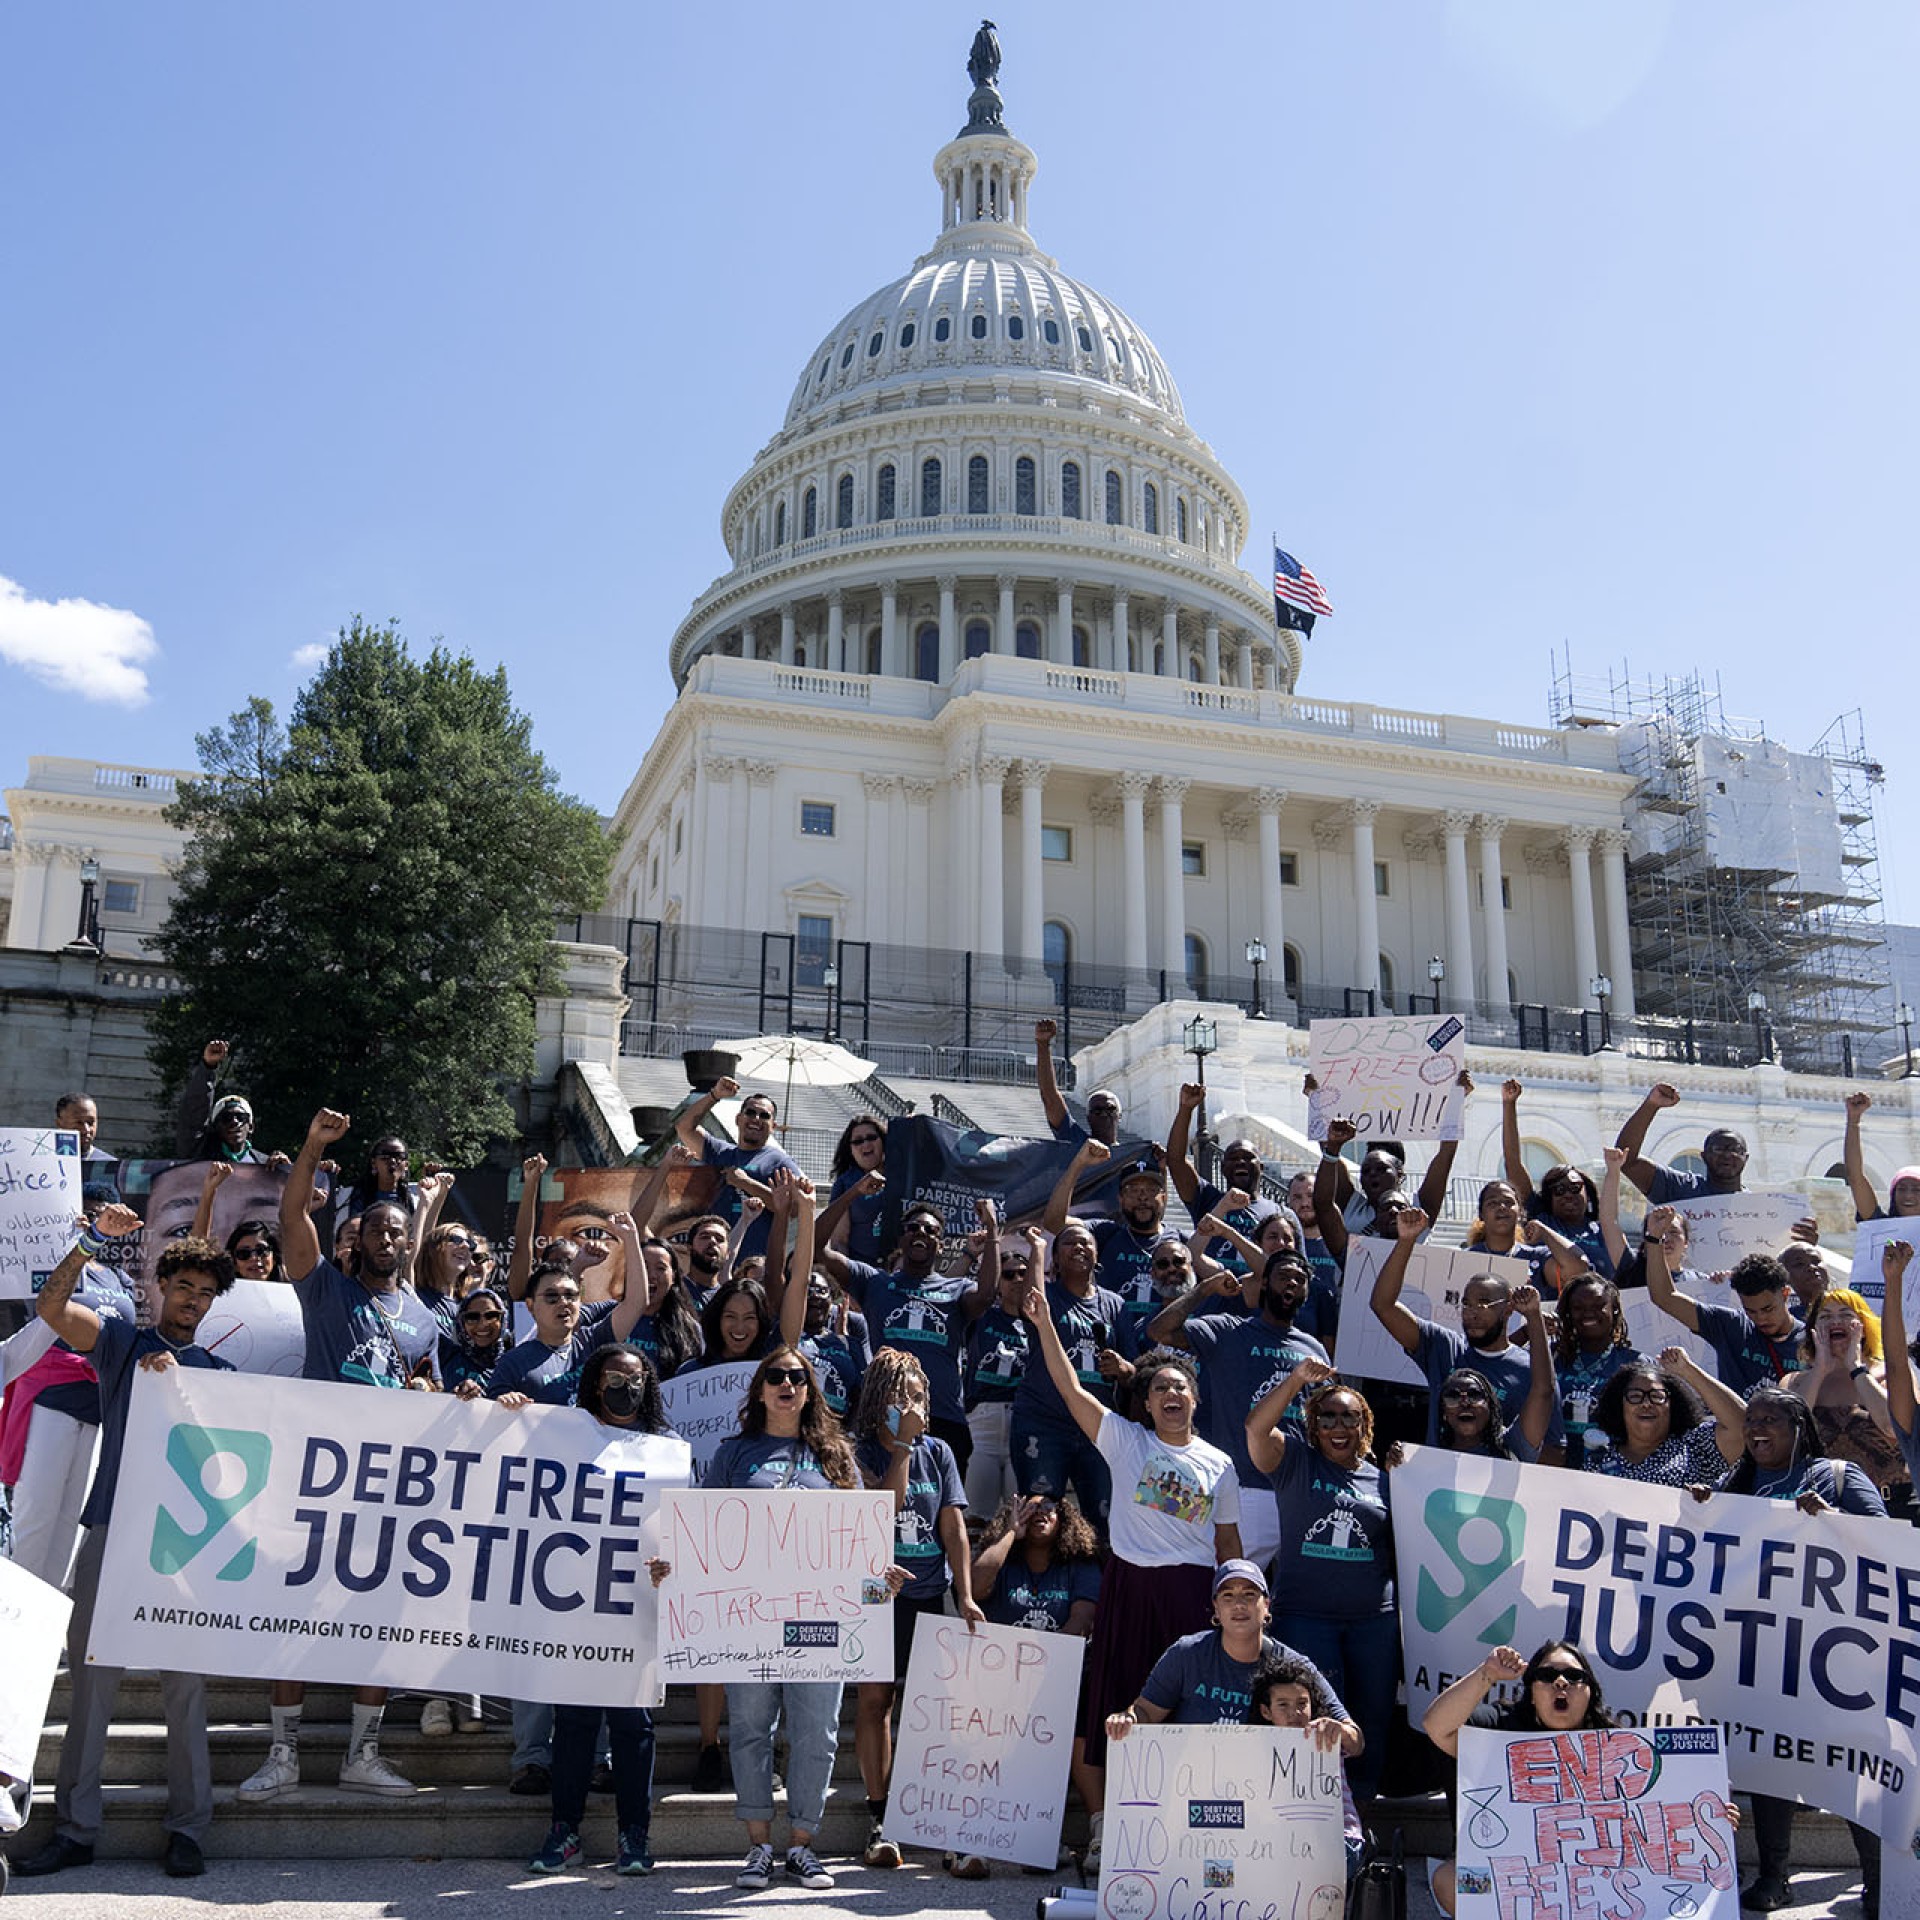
1486 1829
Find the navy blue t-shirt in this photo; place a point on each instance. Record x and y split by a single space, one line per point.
864 1241
837 1367
1040 1602
1442 1351
1582 1381
117 1351
764 1463
551 1375
1085 1325
999 1351
1125 1265
1336 1539
925 1318
1319 1313
1243 1220
1743 1356
933 1482
1241 1361
1199 1684
107 1293
370 1339
762 1163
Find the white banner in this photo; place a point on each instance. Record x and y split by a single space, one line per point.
703 1407
40 1180
1395 1078
777 1586
1723 1228
33 1628
438 1543
1597 1821
1233 1822
1436 1278
985 1735
255 1327
1799 1633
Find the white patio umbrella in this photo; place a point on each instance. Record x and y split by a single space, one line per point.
805 1062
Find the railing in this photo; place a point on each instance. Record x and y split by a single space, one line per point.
134 779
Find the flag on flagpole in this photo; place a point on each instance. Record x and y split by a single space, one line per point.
1294 587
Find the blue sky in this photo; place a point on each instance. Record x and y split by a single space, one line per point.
1586 324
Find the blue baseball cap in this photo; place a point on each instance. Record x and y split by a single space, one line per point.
1239 1570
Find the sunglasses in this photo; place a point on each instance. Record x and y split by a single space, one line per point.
253 1253
559 1299
391 1153
1337 1417
786 1376
1168 1266
1571 1675
1461 1393
866 1140
456 1240
480 1313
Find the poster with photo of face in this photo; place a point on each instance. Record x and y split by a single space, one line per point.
577 1203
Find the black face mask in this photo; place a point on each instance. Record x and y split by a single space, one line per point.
621 1394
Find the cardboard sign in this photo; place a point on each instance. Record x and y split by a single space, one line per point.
1723 1228
1868 1279
1436 1278
985 1735
255 1327
33 1628
703 1407
40 1181
1395 1078
1599 1820
777 1586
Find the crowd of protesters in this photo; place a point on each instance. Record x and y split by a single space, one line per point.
1116 1427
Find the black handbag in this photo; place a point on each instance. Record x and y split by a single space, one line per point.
1379 1889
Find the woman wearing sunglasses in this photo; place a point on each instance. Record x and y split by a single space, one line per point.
851 1218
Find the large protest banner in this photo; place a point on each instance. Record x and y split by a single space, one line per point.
985 1735
703 1407
1799 1633
1436 1278
1723 1228
446 1543
1396 1077
1596 1821
40 1177
1222 1820
33 1629
777 1586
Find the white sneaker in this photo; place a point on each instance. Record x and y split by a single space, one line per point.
436 1719
278 1774
365 1772
1092 1860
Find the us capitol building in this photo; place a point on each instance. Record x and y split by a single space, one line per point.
988 675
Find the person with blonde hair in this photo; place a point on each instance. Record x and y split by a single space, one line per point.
1842 1380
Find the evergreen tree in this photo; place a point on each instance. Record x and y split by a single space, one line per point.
366 899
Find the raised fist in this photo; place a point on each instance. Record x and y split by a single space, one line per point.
214 1052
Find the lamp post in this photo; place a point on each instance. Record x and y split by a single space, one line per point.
1904 1014
1256 959
1601 988
86 937
1202 1037
830 979
1757 1006
1436 978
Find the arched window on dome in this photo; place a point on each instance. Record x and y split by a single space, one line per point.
1026 640
1085 338
809 513
1196 960
943 329
846 357
1082 648
1116 500
1070 489
1024 490
883 488
843 501
1050 330
1056 955
873 651
820 378
876 343
780 523
979 639
926 652
977 484
978 326
929 489
1180 516
1016 327
1150 508
906 336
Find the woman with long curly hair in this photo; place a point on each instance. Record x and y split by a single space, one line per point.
1590 1345
1666 1423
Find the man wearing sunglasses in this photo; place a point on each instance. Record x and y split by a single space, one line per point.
752 1151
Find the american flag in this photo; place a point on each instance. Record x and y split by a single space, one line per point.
1294 586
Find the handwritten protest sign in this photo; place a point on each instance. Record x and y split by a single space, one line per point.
255 1326
703 1408
1574 1822
33 1628
1649 1330
777 1586
985 1735
1723 1228
1868 1280
1222 1820
435 1543
1394 1078
40 1169
1785 1628
1436 1278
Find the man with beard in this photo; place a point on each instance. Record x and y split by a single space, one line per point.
1242 1355
1486 1306
753 1153
1049 1448
1240 1167
1125 1246
365 1330
706 1257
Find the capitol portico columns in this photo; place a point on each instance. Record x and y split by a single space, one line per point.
1613 890
786 634
1212 673
1121 662
879 789
1366 916
1170 641
1173 942
949 629
1454 825
890 661
1273 927
836 632
760 775
1133 854
993 918
1586 956
1033 778
1003 640
1493 910
1245 674
1060 651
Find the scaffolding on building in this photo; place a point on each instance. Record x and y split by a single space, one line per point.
1753 879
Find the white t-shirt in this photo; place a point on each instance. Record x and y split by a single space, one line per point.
1167 1500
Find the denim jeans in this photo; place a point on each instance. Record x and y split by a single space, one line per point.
1049 1459
811 1711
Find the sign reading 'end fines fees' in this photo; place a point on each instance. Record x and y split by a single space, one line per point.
1394 1078
777 1586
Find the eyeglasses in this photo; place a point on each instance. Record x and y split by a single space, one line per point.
1571 1675
1645 1396
1337 1417
786 1376
1169 1266
259 1252
1461 1393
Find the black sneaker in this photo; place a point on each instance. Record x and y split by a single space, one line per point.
56 1856
531 1782
183 1859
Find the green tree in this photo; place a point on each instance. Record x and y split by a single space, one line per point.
366 898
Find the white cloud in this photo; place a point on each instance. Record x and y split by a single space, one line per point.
305 659
77 646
